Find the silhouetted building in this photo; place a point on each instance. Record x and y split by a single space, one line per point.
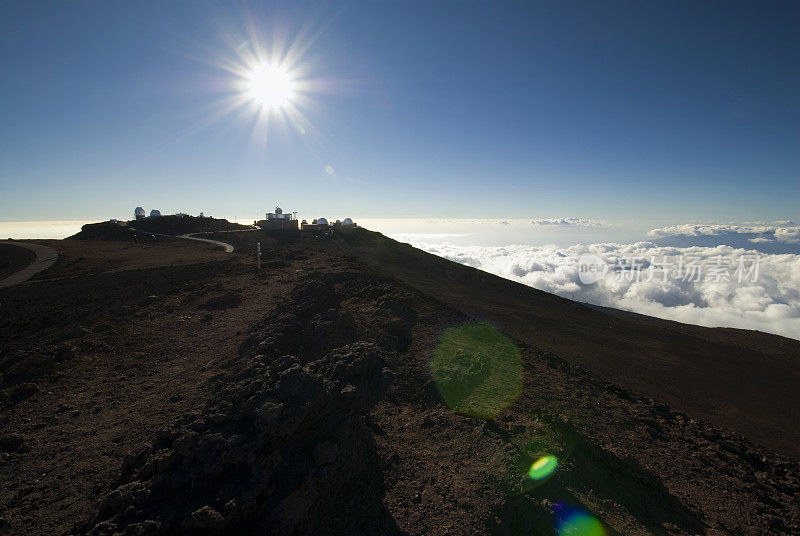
279 220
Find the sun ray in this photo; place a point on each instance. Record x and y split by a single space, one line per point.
268 79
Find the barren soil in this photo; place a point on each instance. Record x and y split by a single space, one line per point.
175 390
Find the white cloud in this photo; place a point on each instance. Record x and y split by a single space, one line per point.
790 235
567 221
771 303
574 222
783 231
410 237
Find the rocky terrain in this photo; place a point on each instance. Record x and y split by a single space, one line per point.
211 398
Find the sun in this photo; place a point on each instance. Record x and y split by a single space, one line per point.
270 85
269 90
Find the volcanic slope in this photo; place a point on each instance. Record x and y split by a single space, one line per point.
211 399
741 380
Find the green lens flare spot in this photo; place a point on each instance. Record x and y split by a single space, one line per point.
543 468
576 522
477 370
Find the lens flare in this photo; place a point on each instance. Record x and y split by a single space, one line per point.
477 370
543 468
572 521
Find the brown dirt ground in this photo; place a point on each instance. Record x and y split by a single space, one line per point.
84 257
130 347
140 349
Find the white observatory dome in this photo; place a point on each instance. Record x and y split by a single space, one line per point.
155 213
347 221
139 213
322 221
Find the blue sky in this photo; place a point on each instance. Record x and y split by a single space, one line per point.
680 110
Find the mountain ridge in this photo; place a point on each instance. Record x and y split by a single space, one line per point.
203 399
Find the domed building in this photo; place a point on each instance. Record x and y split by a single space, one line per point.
139 213
279 220
318 227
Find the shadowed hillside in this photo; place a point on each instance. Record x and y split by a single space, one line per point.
356 385
739 379
163 225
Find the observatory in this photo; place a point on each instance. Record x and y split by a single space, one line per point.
318 227
139 213
155 213
279 220
345 224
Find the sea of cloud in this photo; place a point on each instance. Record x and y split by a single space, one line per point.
25 230
783 231
711 286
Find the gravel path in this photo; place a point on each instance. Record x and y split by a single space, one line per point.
228 247
45 258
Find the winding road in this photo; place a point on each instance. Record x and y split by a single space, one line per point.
190 236
45 258
228 247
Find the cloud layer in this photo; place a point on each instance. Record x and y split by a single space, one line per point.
784 231
568 221
769 302
552 222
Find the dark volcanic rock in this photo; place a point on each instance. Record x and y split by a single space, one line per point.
280 449
312 324
259 455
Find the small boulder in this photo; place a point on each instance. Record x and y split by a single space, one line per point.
205 520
